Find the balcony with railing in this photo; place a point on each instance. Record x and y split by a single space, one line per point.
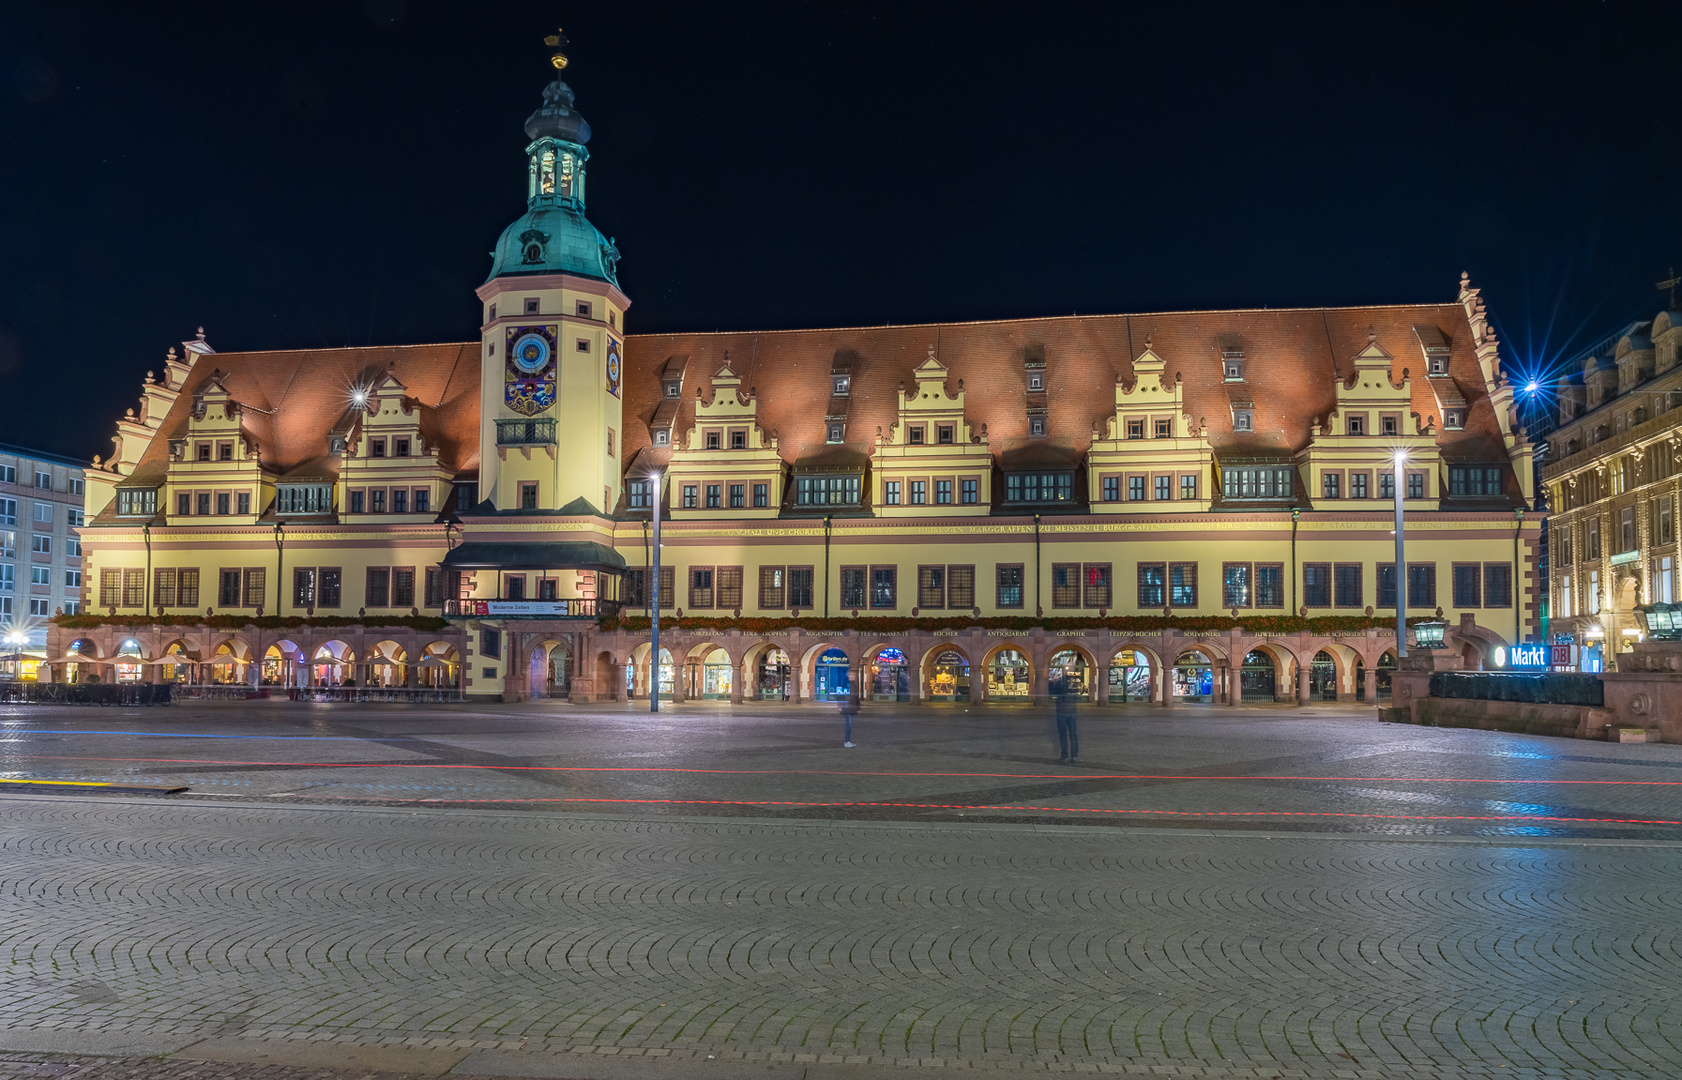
540 432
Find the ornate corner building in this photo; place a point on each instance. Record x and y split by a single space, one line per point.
1170 507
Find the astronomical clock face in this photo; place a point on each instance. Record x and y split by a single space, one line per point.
529 374
613 367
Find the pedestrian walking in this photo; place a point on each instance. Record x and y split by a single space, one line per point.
1068 736
849 708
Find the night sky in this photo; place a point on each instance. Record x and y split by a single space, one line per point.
296 175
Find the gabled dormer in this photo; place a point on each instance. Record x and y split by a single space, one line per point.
840 395
1350 459
388 467
1034 375
662 426
728 464
930 460
1435 349
214 466
1147 457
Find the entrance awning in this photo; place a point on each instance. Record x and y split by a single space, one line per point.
568 554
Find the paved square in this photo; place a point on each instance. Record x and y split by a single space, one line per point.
1492 908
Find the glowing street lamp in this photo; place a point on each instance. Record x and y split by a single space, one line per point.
15 638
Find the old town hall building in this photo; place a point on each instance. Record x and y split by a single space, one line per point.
1165 507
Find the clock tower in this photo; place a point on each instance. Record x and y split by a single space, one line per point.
551 418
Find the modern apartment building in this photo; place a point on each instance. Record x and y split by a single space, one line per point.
41 506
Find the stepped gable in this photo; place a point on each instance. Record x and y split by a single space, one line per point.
292 398
1292 357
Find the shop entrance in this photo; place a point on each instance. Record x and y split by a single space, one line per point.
949 677
1257 679
1069 666
831 680
1194 677
1322 677
889 678
1130 677
716 676
773 675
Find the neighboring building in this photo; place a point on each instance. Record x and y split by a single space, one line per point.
41 497
1614 487
987 505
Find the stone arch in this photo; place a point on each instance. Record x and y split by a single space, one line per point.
942 679
386 664
332 661
281 664
229 660
1194 673
1006 680
816 685
432 676
1126 684
1345 660
886 672
769 672
551 665
1250 686
710 672
1086 688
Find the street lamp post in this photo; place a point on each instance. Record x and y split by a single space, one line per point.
15 639
654 605
1401 567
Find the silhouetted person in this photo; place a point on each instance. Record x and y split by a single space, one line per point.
1068 736
849 709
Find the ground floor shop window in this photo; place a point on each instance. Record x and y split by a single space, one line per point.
773 676
949 677
1069 673
716 676
1194 677
831 677
890 680
1008 677
1322 677
1257 679
1130 677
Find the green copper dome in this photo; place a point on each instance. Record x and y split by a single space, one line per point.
553 236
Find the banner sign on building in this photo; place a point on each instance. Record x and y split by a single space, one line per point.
1528 655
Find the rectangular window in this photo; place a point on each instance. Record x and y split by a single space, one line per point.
1317 584
773 588
110 585
919 492
423 501
1593 592
1474 481
1153 585
490 644
1468 585
729 580
960 587
1666 526
204 451
1135 489
8 511
1416 485
402 586
800 588
328 587
1358 485
434 587
943 492
1164 488
1135 429
187 588
183 503
915 435
254 586
738 496
1096 582
761 495
931 587
1065 585
204 502
222 502
1188 485
8 474
163 588
73 579
1346 578
528 497
44 513
1112 488
945 434
400 448
399 500
691 497
356 503
1664 580
376 448
1422 585
225 451
1270 585
738 439
9 545
1564 611
1626 529
853 593
712 496
1182 585
700 587
41 545
303 587
1330 484
1594 540
466 496
640 494
1386 585
890 495
970 491
376 500
884 587
1236 585
377 593
1387 485
243 502
1497 585
41 575
713 440
514 587
1039 487
1008 580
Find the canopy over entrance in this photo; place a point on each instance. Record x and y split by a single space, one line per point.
533 555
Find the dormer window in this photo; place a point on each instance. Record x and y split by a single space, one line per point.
915 435
1392 425
336 444
1232 366
1036 381
945 434
1357 425
1135 429
401 448
712 440
376 448
739 439
672 390
225 451
1454 419
662 437
1243 420
836 431
204 451
841 385
1163 429
1036 425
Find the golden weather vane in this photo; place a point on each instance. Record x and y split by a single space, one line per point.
557 41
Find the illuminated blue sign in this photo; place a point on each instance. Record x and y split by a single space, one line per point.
1527 654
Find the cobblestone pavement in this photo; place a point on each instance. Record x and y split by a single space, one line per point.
494 941
1270 768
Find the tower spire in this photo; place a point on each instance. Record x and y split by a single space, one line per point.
558 42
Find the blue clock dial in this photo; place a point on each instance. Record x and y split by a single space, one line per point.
531 353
